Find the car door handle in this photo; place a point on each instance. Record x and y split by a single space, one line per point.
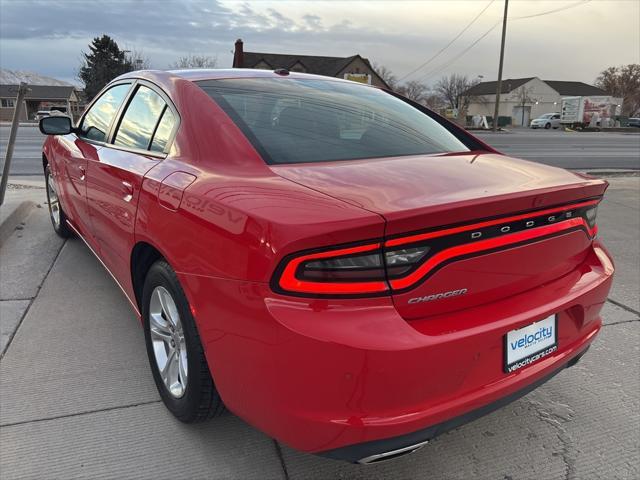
127 189
83 172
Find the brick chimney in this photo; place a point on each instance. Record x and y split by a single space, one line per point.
238 55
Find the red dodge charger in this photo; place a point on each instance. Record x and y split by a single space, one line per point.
339 266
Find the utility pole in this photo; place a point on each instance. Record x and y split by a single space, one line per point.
499 86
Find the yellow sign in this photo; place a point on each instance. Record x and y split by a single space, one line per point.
358 77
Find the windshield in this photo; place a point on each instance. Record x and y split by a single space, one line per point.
304 120
546 115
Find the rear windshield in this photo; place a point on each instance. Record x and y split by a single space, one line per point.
302 120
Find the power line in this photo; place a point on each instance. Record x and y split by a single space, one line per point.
475 42
447 45
566 7
540 14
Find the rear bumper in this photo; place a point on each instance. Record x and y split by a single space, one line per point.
377 450
351 378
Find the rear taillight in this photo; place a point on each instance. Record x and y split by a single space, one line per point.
401 263
345 271
590 215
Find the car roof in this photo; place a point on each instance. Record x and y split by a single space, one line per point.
199 74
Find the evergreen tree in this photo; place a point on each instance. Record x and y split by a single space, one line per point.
104 63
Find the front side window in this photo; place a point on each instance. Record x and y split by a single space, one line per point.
95 124
140 119
302 120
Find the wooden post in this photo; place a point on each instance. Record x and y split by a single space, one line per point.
22 91
499 86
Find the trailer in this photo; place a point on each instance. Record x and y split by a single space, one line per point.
593 112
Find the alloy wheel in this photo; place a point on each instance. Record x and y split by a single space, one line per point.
169 345
54 202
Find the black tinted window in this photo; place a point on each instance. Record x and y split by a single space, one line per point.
95 124
293 120
163 132
140 119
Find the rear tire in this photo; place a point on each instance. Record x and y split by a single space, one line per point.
176 356
56 213
547 126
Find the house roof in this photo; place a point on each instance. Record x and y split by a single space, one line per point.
39 92
14 77
511 84
327 66
574 88
489 88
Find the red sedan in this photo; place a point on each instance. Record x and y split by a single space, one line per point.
337 265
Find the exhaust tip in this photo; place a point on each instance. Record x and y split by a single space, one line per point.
381 457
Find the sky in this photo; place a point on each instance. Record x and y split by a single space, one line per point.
560 40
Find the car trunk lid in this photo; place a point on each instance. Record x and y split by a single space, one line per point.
434 192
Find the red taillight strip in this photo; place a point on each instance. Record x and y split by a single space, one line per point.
488 244
475 226
289 282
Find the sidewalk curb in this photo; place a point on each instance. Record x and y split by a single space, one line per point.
18 215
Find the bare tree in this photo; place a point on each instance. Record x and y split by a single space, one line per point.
434 101
414 90
195 61
521 95
386 75
453 89
623 82
138 59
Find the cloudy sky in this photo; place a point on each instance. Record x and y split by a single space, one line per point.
559 40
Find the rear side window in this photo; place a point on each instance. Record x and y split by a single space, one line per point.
95 124
303 120
140 119
163 131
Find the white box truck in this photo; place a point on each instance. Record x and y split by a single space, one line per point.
594 112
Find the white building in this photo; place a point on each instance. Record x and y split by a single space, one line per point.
524 99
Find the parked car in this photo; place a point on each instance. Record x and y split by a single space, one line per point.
633 122
40 114
547 121
352 274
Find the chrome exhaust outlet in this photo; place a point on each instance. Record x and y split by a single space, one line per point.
380 457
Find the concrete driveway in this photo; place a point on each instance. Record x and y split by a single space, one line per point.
77 399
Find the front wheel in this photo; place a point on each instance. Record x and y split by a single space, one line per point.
175 353
56 213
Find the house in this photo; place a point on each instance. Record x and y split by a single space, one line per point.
354 68
524 99
44 93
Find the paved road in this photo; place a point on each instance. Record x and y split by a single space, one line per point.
77 399
27 153
594 150
563 149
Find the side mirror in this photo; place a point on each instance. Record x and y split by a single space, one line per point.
56 125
